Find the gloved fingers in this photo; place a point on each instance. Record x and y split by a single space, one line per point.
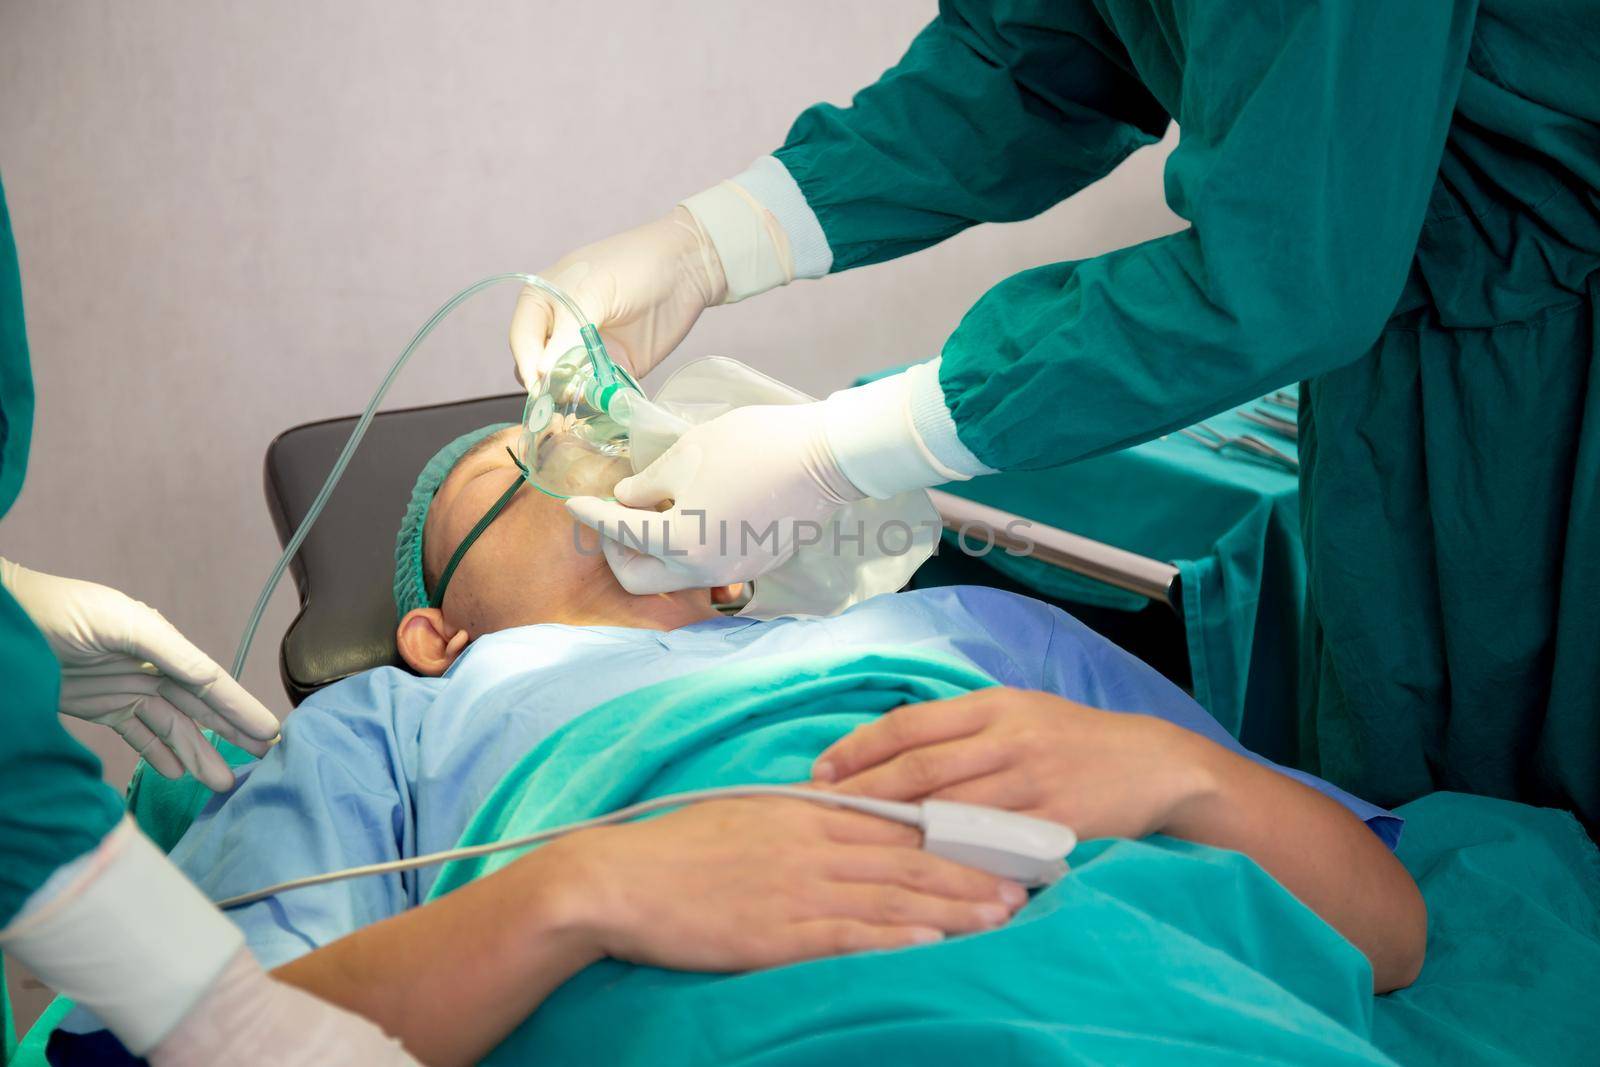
637 528
633 542
183 739
225 707
541 330
167 739
206 716
104 697
233 704
531 323
106 663
644 575
103 708
120 703
662 480
143 740
97 695
151 637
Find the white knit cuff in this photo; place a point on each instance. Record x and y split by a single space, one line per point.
870 431
930 414
775 189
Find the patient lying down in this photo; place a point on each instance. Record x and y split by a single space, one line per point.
534 632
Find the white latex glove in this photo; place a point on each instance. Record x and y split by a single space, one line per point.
723 504
643 289
739 484
249 1017
126 667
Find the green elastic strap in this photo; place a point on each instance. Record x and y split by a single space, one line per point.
437 599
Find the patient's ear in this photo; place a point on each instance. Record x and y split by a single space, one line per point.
427 643
727 594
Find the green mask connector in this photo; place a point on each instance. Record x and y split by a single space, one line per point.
574 438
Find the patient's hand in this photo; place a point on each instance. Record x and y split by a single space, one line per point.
735 885
1110 774
1105 774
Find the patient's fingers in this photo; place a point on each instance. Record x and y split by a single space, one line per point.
923 771
857 828
904 728
911 868
1010 792
894 905
838 937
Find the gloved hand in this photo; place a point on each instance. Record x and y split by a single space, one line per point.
643 289
739 485
734 492
126 667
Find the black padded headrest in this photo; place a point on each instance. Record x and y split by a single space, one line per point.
345 569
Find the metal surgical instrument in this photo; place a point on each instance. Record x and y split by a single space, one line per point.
1247 444
1263 417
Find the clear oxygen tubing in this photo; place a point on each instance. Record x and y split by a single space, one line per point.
598 356
908 814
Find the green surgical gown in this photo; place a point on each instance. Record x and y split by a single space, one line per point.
54 806
1396 203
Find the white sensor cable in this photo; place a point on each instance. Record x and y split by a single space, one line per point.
1027 850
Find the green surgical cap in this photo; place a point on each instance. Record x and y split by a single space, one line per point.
410 587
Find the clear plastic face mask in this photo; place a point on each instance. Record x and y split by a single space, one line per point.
574 439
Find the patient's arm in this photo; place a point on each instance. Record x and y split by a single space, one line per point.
1318 850
1110 774
451 978
724 886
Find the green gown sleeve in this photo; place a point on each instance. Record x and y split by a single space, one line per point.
989 117
53 805
1311 137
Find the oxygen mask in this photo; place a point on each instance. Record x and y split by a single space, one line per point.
574 439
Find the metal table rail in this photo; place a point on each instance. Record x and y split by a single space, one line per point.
1092 559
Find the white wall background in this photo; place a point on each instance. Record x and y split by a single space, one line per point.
230 216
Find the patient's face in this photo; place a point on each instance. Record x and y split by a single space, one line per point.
527 559
533 564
